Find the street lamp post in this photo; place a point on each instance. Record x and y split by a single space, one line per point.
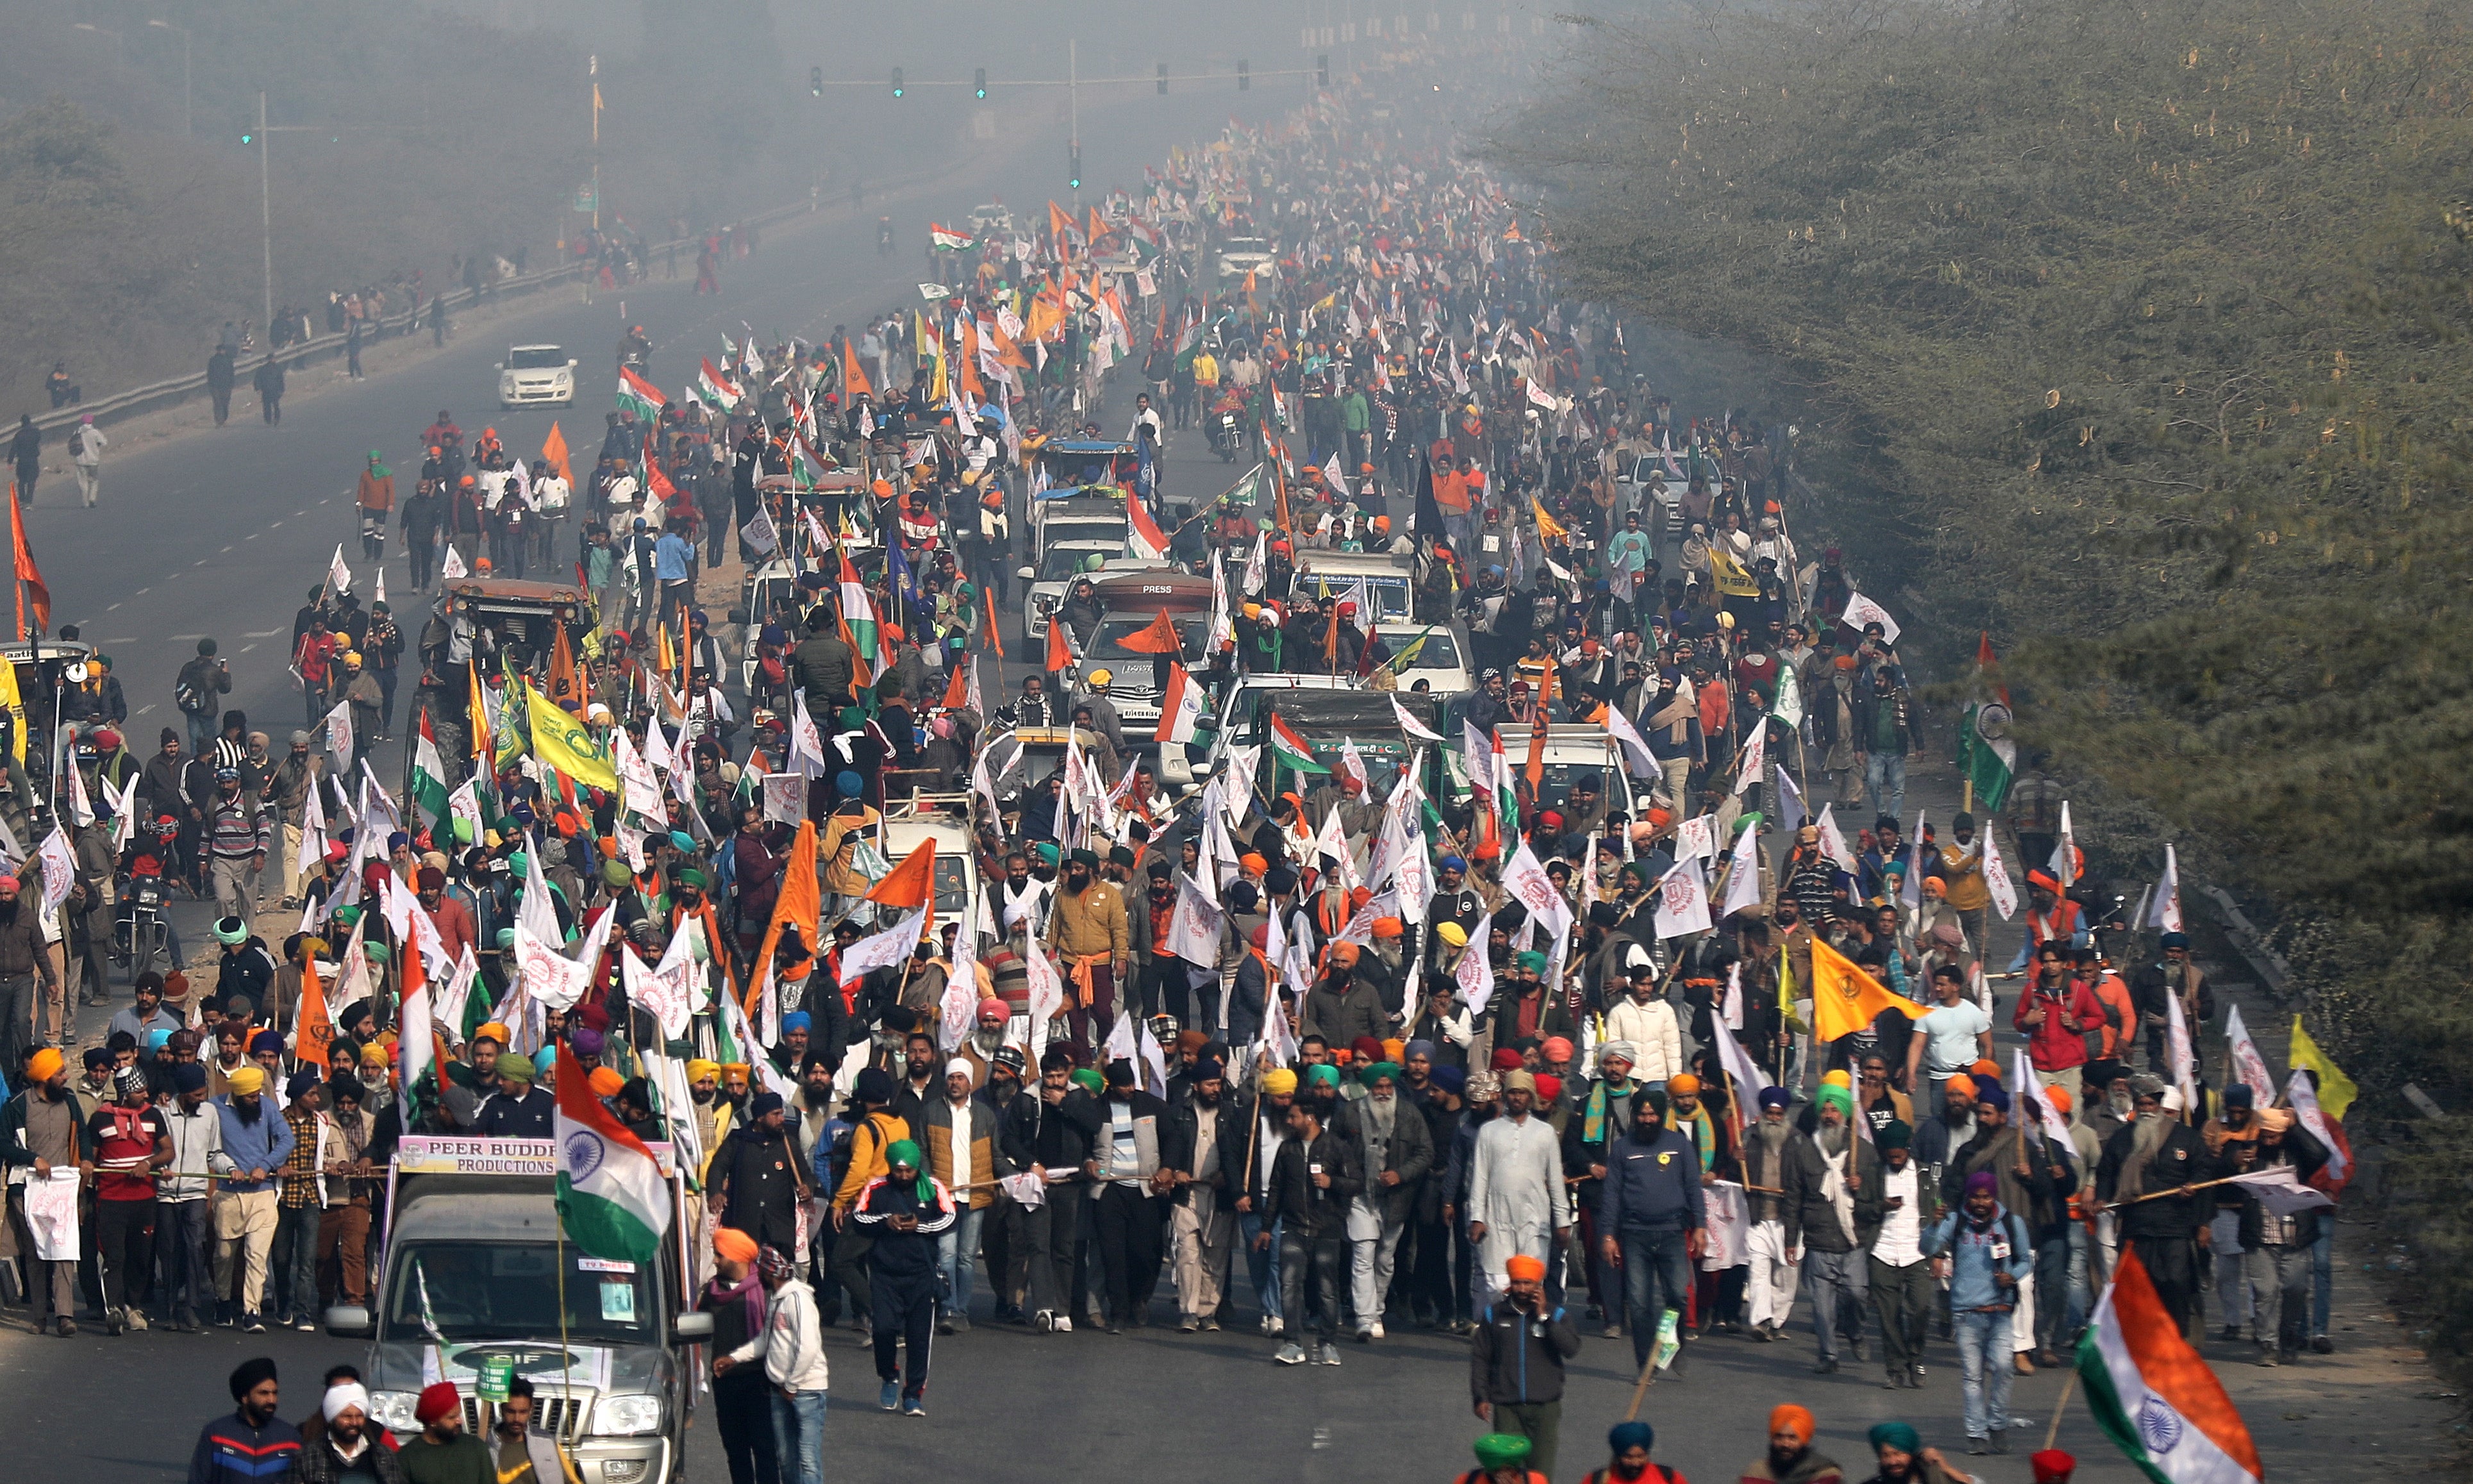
101 31
188 99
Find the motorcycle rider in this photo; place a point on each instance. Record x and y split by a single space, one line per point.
635 350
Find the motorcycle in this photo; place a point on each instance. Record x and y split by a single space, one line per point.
138 935
1226 435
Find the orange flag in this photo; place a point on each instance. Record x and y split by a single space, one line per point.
957 691
912 884
316 1027
565 685
554 452
1844 998
1060 225
1059 654
1098 228
854 380
33 593
1158 638
800 905
995 631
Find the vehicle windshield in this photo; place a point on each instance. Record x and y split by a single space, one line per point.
1439 652
459 1292
536 358
1390 591
1058 563
1193 630
1236 244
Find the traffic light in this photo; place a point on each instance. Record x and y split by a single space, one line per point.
1163 78
248 137
1244 77
816 81
896 82
1075 176
1322 74
980 82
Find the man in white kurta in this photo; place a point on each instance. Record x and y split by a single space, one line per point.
1517 1200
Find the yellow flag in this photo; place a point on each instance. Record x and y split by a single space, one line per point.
15 704
2336 1090
1844 998
564 746
1547 527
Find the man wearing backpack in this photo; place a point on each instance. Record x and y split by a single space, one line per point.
87 444
199 691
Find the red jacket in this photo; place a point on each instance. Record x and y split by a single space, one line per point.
2055 1047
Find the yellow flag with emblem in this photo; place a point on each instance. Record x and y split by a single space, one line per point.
14 704
563 745
1844 998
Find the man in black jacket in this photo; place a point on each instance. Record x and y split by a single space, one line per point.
1210 1129
1312 1180
2155 1155
1396 1150
1135 1158
1516 1363
1650 1218
756 1176
1051 1134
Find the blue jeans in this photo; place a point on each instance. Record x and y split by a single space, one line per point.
957 1248
2052 1286
2082 1281
1983 1362
1262 1267
1884 782
799 1436
1657 1277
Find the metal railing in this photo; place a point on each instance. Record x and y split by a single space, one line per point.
176 390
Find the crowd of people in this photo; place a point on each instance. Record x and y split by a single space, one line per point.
1336 1044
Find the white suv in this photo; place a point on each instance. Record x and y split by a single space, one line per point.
536 376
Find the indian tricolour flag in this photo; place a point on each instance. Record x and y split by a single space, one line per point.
1143 539
1181 706
1294 755
611 1195
714 388
949 240
640 397
428 775
857 612
2153 1396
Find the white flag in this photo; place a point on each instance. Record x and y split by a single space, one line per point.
1750 1082
79 809
1861 611
2022 1076
2304 1099
1642 762
1682 906
58 862
1754 759
2166 913
339 735
2248 1066
1995 876
1410 724
1832 842
1475 973
2280 1193
1790 811
1196 925
2184 1060
339 576
2065 852
452 567
1743 875
890 948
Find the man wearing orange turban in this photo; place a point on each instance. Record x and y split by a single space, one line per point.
42 1124
1515 1371
1790 1454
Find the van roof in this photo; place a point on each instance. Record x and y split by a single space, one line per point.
1370 563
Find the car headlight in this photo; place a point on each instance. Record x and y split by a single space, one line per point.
507 381
565 380
627 1415
394 1410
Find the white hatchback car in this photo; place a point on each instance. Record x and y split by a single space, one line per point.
536 376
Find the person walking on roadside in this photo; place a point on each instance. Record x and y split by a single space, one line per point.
221 374
87 444
26 454
375 498
269 385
